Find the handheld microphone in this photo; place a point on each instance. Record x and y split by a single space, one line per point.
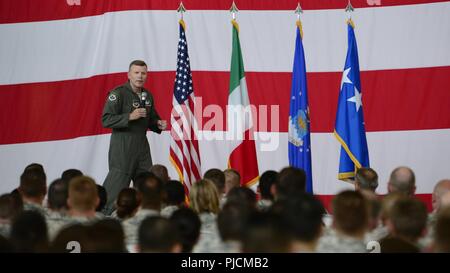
143 99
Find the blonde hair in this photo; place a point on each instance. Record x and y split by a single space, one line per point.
204 197
83 193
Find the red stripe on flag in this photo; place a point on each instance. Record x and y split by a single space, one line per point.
184 166
187 145
403 99
18 11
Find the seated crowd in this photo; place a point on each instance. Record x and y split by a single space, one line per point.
218 215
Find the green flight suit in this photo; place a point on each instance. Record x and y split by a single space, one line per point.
129 151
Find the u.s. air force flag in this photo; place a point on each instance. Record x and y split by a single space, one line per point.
349 129
299 129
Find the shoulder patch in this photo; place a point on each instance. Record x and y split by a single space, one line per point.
112 97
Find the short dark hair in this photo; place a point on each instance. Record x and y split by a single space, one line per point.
33 183
29 232
302 215
409 218
367 178
150 187
290 181
238 215
127 202
242 195
157 234
266 233
105 236
102 196
10 206
67 175
351 212
138 63
160 171
217 177
174 192
35 166
267 179
140 178
58 192
188 224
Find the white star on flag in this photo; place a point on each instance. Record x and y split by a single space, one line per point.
345 78
356 99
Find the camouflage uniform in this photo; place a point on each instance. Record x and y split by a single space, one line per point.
131 227
338 243
55 221
34 207
168 211
209 240
58 221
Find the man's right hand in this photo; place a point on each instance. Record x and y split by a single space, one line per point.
138 113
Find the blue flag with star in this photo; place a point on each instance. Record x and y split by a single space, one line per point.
349 129
299 144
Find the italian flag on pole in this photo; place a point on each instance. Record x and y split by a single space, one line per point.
239 118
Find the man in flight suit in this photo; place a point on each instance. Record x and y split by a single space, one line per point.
129 111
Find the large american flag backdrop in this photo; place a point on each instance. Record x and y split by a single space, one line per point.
59 58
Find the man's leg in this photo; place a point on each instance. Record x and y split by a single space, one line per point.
144 162
115 181
121 162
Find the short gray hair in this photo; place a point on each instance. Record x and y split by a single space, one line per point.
367 178
138 63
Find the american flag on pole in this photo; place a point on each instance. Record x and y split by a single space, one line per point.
184 152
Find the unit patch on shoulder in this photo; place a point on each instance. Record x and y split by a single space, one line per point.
112 97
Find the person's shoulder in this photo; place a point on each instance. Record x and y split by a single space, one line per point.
116 93
118 90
